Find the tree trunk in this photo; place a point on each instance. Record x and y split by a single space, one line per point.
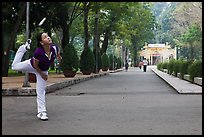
65 27
136 61
65 35
6 52
107 34
96 42
126 53
105 42
96 35
86 33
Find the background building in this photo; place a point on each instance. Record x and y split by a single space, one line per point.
156 53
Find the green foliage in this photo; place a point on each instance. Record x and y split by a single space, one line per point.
170 66
195 69
70 60
87 61
20 40
98 60
162 65
165 65
159 66
105 61
115 62
176 66
193 34
119 63
122 63
184 67
193 38
12 73
173 66
111 62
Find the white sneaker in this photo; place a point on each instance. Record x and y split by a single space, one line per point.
27 44
42 116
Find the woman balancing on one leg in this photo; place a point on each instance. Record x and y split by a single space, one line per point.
39 64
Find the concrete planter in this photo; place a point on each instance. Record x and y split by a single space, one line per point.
32 78
198 80
186 77
68 73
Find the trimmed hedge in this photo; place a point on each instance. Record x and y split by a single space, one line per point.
111 62
176 66
119 63
105 61
183 69
195 69
170 66
70 60
87 61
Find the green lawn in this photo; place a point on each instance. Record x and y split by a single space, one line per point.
12 73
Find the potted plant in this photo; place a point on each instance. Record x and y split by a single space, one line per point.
87 61
119 63
105 62
70 61
111 62
97 57
32 78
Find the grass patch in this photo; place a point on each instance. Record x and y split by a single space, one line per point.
13 73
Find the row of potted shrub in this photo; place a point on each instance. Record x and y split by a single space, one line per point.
192 68
70 63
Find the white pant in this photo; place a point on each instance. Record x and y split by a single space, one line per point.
25 66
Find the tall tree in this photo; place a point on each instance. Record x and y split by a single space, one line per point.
11 25
66 12
193 38
86 6
113 12
140 26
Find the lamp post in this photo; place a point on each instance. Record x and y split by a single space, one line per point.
96 39
26 83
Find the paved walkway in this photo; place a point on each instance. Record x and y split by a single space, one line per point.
122 103
13 85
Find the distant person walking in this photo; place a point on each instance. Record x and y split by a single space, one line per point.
145 63
140 64
126 66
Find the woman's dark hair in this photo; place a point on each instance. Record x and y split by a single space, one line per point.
39 38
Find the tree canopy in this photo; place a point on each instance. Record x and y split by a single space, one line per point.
133 24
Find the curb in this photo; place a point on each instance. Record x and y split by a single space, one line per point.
30 91
182 87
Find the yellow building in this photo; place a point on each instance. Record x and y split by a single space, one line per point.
156 53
